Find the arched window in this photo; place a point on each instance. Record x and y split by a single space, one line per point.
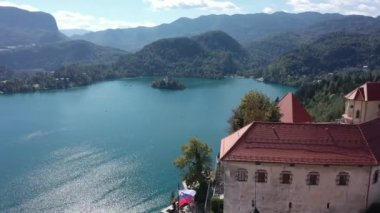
357 114
261 176
342 179
312 178
375 177
286 177
241 175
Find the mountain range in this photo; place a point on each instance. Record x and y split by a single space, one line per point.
244 28
212 55
280 47
51 56
32 41
333 52
21 27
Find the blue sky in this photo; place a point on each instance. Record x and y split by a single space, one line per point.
103 14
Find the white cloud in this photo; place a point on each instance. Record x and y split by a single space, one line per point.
73 20
214 5
268 10
21 6
358 7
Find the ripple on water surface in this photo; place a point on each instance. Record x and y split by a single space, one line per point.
108 147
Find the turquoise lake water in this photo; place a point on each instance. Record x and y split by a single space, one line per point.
108 147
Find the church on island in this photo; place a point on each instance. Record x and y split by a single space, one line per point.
300 166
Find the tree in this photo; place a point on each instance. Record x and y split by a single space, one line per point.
195 165
255 106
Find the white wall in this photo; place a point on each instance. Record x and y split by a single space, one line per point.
372 111
374 192
369 110
275 197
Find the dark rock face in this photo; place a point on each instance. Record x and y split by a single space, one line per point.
16 18
21 27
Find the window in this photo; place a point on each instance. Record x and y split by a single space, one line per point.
261 176
286 177
312 178
375 177
241 175
357 115
342 179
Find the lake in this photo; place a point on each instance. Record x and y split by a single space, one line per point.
108 147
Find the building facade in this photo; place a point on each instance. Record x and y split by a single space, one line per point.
303 167
296 193
362 104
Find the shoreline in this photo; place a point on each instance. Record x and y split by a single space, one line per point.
42 90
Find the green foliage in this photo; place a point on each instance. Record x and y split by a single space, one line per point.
255 106
168 83
219 41
262 53
325 107
65 77
324 98
210 55
330 53
244 28
195 166
54 55
5 73
216 205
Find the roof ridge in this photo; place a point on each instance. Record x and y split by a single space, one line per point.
367 144
284 96
238 141
303 124
308 144
292 108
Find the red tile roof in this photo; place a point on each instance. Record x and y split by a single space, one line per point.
368 92
335 144
371 132
292 110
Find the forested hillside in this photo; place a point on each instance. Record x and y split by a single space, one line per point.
327 55
245 28
336 52
211 55
324 98
54 55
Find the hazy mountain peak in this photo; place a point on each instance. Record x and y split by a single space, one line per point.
13 17
245 28
21 27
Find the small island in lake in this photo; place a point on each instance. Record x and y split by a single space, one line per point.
168 83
